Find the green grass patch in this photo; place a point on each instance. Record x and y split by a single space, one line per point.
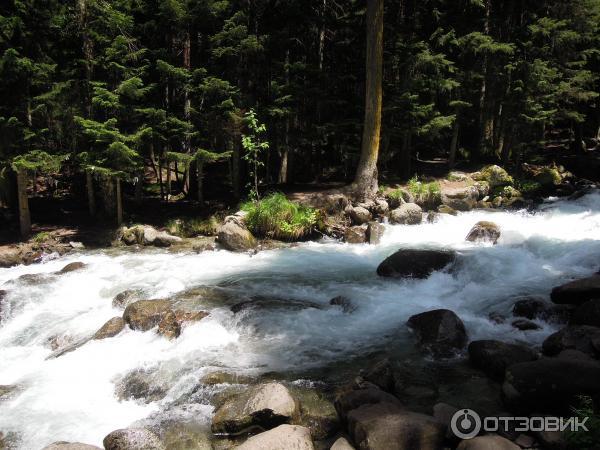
193 227
426 193
277 217
40 237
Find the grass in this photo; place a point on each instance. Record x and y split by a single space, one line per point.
277 217
40 237
424 192
193 227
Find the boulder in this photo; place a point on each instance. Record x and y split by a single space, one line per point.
110 329
169 326
133 439
72 267
145 314
587 314
439 332
445 209
537 308
525 325
493 357
484 231
280 438
359 214
70 446
577 292
341 444
317 413
186 436
381 375
375 232
462 198
494 175
407 214
548 177
139 385
356 234
233 235
399 196
414 263
349 399
343 302
384 426
184 317
10 256
487 442
584 338
381 207
123 299
266 405
146 235
550 384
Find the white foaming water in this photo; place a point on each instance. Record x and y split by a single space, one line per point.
73 398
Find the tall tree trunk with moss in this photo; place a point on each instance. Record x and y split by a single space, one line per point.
366 173
24 215
91 195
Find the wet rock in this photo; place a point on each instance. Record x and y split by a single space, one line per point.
584 338
415 263
439 332
407 214
187 436
349 399
443 413
550 384
123 299
145 314
525 325
59 341
445 209
266 406
72 267
10 256
537 308
493 357
146 235
279 438
381 207
398 197
375 232
133 439
577 292
262 303
494 175
384 426
484 231
233 235
221 377
359 214
72 346
356 234
496 317
6 390
70 446
168 326
381 375
139 385
317 413
342 444
185 317
343 302
587 314
462 198
487 442
110 329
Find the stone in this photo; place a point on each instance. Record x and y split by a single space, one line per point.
233 235
139 385
349 399
343 302
550 384
381 207
356 234
439 332
168 326
342 444
72 267
384 426
133 439
359 215
415 263
445 209
583 338
537 308
494 175
381 375
577 292
187 436
185 317
484 231
145 314
147 236
266 405
123 299
493 357
317 413
61 445
463 198
283 437
525 325
587 314
375 232
407 214
110 329
487 442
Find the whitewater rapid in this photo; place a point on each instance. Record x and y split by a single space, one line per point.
73 398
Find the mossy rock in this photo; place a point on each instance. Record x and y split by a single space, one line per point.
494 175
548 176
317 413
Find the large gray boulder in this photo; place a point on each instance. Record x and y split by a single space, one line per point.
463 198
493 357
233 235
414 263
147 235
359 214
484 231
577 292
70 446
133 439
145 314
439 332
266 405
283 437
356 234
375 232
587 314
385 426
583 338
407 214
538 308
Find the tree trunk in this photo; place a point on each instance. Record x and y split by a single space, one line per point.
139 187
89 183
366 173
484 123
168 181
454 143
24 215
187 104
119 201
200 182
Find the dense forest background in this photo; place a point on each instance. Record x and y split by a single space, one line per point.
177 97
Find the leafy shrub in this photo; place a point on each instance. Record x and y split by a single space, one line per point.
279 218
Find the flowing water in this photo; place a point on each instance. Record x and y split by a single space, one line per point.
73 398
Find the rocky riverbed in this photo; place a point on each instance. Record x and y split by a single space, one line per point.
318 345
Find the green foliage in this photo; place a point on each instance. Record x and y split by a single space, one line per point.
37 160
424 193
581 439
41 237
193 227
528 187
279 218
254 146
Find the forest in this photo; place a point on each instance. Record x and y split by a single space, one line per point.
206 101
